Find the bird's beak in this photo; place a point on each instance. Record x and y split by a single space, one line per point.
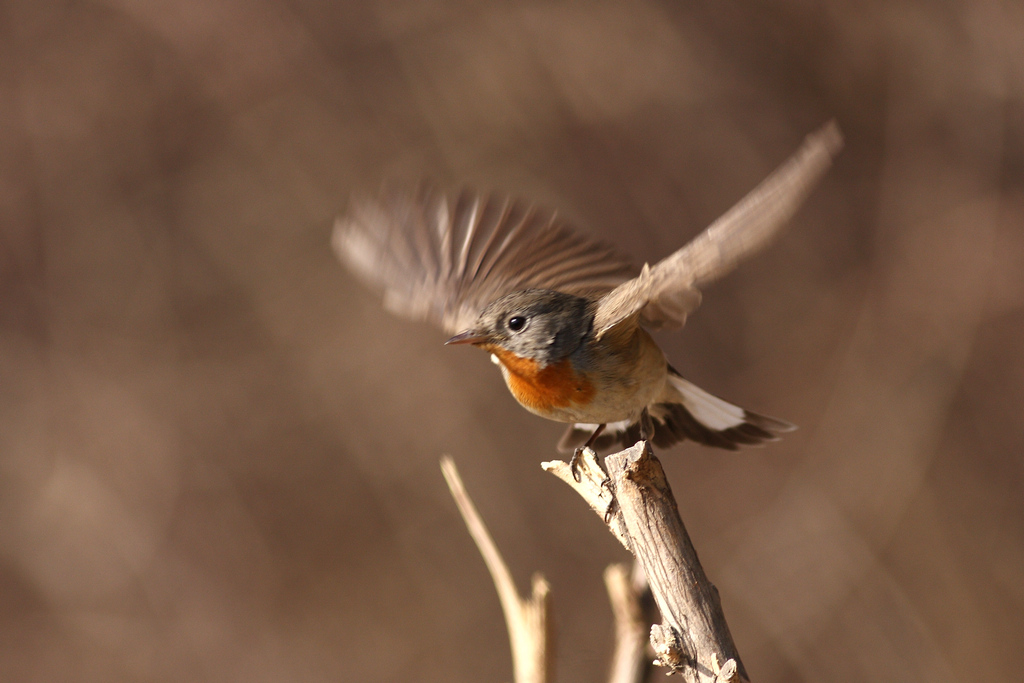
467 337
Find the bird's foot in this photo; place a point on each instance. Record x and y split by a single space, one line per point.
609 511
578 460
574 463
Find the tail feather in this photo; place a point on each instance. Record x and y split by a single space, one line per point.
686 412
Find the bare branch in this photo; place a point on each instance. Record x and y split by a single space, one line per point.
526 619
593 488
626 590
694 638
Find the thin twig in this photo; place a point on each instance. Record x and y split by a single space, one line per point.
526 619
593 488
626 590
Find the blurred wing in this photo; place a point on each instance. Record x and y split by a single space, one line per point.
665 294
445 261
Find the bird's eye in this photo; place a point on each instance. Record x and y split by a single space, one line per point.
516 323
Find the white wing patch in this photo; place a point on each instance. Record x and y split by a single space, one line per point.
710 411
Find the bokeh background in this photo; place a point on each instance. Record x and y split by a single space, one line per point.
219 456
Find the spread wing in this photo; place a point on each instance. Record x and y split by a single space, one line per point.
444 260
666 293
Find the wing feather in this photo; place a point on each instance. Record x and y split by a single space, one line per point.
670 291
444 260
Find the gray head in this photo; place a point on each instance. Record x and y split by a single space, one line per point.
535 323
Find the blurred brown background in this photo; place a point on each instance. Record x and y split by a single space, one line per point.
219 457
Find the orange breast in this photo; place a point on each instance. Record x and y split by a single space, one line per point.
543 390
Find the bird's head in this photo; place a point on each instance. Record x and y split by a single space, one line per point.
539 324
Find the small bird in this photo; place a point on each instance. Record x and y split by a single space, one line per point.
566 317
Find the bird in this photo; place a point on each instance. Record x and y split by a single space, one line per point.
567 318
